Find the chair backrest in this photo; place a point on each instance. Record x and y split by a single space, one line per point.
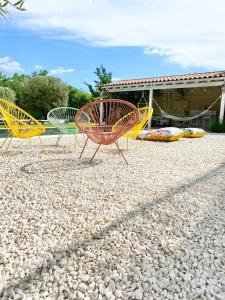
145 114
63 119
103 115
19 123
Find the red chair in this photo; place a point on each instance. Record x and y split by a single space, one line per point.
105 121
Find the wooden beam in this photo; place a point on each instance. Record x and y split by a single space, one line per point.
101 108
166 85
150 102
222 106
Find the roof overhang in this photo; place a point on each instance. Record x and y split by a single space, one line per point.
194 83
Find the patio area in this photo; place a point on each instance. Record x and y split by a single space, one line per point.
151 230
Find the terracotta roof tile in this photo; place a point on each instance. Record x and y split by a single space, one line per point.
192 76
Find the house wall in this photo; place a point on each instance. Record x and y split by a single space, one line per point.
180 102
176 103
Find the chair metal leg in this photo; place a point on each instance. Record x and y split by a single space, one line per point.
120 152
41 143
30 144
81 135
95 153
83 148
7 147
59 138
75 141
139 141
3 143
127 145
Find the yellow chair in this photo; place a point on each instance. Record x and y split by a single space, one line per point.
145 114
20 124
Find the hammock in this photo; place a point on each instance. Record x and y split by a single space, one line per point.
168 116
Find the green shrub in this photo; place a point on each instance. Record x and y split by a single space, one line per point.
217 127
40 94
78 98
7 94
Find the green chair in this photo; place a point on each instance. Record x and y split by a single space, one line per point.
62 118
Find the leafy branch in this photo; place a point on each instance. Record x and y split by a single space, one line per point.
4 4
103 77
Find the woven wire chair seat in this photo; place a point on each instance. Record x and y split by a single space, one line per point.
63 119
103 115
20 124
145 114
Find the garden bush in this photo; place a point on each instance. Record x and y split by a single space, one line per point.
78 98
40 94
7 94
217 127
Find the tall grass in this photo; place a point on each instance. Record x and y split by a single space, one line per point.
217 127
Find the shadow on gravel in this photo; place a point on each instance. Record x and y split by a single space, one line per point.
50 149
52 165
143 210
11 153
112 151
56 151
50 146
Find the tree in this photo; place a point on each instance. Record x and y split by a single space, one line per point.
103 78
78 98
7 94
4 4
39 73
40 94
12 82
15 81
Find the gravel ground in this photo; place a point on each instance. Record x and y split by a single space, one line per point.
150 230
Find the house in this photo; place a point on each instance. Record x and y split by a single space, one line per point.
187 95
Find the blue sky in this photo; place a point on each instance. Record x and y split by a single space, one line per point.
132 39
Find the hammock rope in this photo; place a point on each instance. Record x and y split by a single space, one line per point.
168 116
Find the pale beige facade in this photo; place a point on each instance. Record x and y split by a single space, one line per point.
186 95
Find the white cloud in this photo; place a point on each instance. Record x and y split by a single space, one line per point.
114 79
61 71
38 67
185 32
7 65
